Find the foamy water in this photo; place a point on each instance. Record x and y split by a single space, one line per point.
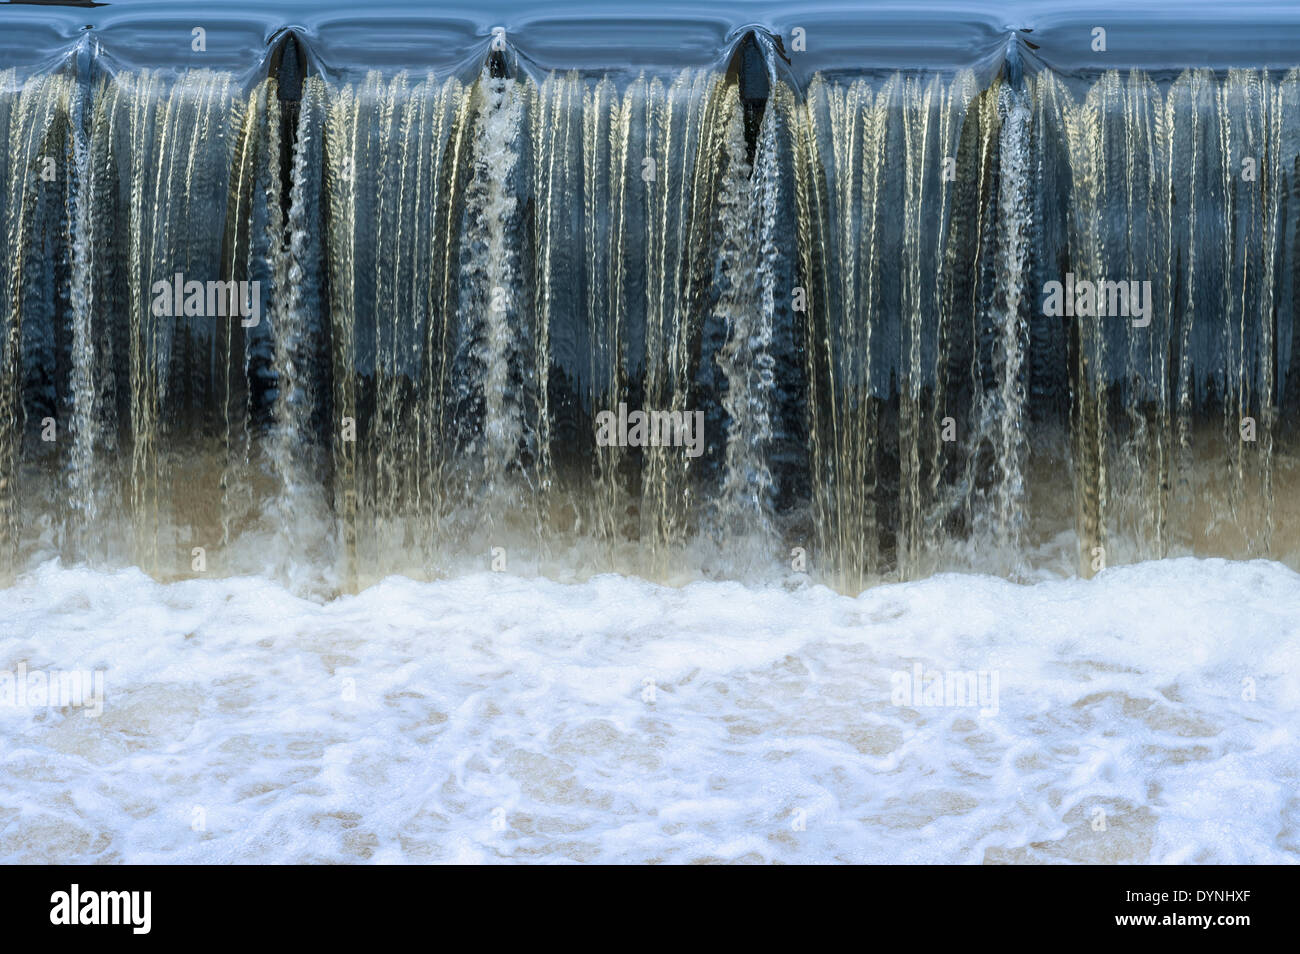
1148 715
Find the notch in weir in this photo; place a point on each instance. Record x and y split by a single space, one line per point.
750 71
1013 70
286 66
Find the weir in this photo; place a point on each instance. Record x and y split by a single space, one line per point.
845 273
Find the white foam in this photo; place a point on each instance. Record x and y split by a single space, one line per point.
502 718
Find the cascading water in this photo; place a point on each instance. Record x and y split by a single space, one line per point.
883 340
750 263
84 383
489 272
1182 185
460 281
1010 266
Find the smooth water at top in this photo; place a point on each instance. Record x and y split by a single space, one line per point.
607 34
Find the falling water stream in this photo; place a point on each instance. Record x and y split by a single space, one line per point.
1010 265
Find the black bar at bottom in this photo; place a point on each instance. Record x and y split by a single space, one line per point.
238 904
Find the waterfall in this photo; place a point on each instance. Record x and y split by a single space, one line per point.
34 124
490 302
85 375
1194 174
890 264
746 305
927 321
1010 265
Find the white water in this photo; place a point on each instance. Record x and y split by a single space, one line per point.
497 697
747 305
493 205
1012 261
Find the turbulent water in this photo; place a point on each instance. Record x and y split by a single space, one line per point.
1144 716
